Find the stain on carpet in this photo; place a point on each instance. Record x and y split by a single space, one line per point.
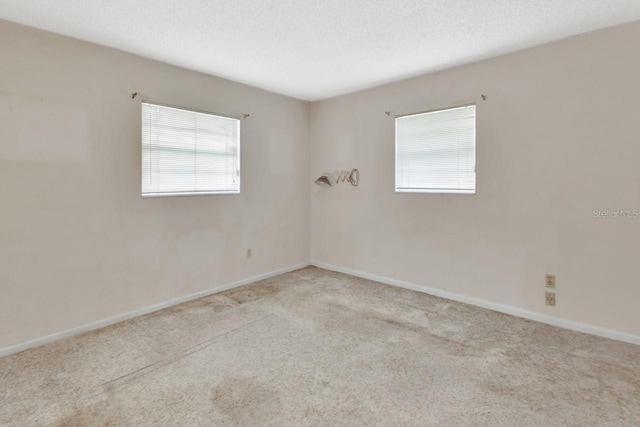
247 401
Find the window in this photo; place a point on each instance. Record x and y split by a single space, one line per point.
436 151
188 152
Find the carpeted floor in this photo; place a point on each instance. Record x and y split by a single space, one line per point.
317 348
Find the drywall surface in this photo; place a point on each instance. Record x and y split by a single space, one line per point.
558 146
77 242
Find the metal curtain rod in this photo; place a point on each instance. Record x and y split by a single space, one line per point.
228 116
468 104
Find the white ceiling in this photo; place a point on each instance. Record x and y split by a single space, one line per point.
318 49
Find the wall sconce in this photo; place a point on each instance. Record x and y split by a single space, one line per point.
328 179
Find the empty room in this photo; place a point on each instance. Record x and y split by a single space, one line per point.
293 213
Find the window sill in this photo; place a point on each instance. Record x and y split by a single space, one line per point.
433 191
189 193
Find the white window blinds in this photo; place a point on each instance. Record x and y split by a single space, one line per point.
436 151
188 152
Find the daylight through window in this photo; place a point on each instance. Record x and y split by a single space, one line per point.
188 152
436 151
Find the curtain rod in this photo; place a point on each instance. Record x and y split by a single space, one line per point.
150 101
469 104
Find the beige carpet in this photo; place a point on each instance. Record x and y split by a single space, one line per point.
316 348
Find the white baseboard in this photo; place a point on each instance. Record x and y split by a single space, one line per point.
514 311
126 316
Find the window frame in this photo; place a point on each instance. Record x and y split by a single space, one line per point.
433 190
194 192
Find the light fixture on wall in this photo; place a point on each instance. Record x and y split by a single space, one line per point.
328 179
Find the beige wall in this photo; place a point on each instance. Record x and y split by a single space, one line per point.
557 137
77 242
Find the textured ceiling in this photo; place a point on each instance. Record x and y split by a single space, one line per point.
318 49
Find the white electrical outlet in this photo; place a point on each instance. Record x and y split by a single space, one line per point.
550 298
550 280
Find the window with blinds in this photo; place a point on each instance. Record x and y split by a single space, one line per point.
188 152
436 151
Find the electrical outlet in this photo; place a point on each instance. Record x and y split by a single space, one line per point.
249 253
550 298
550 280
